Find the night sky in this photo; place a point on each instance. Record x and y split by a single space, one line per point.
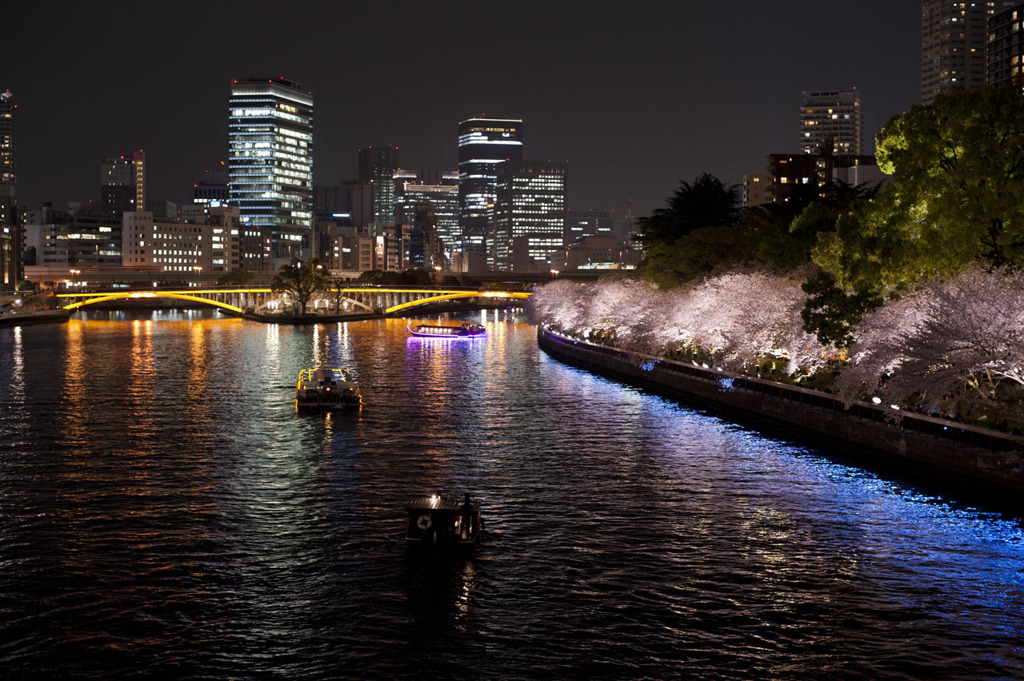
635 95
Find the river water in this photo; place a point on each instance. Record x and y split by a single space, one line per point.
165 513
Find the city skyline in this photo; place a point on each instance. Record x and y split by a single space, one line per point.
634 100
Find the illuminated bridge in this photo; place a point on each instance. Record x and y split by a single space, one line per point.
263 300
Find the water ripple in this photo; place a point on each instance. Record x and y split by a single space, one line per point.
165 513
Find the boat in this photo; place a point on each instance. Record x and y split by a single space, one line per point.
443 521
464 330
327 389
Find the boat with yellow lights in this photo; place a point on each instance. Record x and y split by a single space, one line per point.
326 389
464 330
443 521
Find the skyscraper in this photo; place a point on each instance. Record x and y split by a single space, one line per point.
8 149
413 190
483 144
10 224
270 167
377 165
830 118
954 42
123 184
529 214
1005 46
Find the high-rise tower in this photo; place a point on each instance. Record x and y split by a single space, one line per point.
830 118
529 214
270 168
1005 46
954 42
377 166
8 150
11 245
123 184
483 144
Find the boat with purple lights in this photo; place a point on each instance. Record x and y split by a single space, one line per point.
464 330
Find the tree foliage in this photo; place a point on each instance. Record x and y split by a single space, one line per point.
302 280
699 254
957 195
831 313
790 231
708 202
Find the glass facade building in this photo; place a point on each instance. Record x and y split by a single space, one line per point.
529 214
443 196
270 167
377 165
483 144
8 150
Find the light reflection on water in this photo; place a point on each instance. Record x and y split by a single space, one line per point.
163 509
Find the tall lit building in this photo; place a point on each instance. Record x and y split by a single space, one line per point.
377 165
123 184
830 118
1005 46
11 239
270 167
440 190
483 144
529 214
8 148
954 44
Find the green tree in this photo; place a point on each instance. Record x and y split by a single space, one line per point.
701 253
708 202
789 232
301 279
830 312
957 195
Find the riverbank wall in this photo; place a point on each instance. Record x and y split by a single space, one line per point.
984 456
34 317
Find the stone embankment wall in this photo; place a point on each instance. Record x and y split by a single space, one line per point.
983 455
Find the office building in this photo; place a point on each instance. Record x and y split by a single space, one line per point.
954 44
1005 57
123 184
377 166
8 140
440 191
270 168
596 253
580 224
483 144
163 244
808 174
830 119
529 214
83 236
11 235
213 188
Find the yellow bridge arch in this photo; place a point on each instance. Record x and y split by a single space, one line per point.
209 296
122 295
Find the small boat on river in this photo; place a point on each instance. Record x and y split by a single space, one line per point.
443 521
326 389
464 330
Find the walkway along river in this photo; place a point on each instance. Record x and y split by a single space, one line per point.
165 513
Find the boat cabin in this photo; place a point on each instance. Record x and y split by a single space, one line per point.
442 520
